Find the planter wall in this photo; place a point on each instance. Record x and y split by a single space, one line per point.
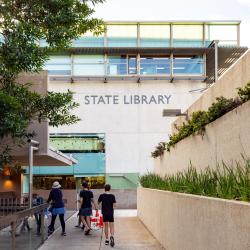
183 221
225 139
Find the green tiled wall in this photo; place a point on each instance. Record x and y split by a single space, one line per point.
123 180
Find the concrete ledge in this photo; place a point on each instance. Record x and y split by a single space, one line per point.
190 222
226 139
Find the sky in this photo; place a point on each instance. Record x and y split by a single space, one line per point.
138 10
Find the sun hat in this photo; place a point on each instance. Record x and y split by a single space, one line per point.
56 184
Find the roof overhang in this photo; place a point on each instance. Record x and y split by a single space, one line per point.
214 22
51 158
136 50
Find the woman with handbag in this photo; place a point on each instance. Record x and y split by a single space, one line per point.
57 207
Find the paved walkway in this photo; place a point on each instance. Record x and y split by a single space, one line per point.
130 234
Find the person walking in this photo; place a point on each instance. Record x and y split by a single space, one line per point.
86 200
108 204
37 200
57 207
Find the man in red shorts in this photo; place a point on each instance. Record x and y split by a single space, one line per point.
108 204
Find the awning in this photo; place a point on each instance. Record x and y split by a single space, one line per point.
51 158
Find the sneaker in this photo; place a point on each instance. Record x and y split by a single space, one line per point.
77 226
106 242
112 241
63 234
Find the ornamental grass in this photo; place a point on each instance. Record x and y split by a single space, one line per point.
228 182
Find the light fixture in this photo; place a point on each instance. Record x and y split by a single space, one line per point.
173 113
7 173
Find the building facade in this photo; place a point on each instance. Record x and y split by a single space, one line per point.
123 81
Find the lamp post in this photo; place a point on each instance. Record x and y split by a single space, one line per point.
33 146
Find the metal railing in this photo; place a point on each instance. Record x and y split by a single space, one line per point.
220 59
11 205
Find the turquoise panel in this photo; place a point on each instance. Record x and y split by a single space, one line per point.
122 42
89 42
25 184
88 163
54 170
154 42
187 43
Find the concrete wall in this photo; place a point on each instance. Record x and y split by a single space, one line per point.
225 139
131 129
236 76
125 198
39 83
182 221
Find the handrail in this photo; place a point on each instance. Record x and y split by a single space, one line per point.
14 218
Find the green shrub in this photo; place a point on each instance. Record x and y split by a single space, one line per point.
199 119
244 93
221 107
159 150
228 182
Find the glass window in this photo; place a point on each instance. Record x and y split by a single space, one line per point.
117 65
132 65
154 35
58 65
187 35
89 40
67 182
122 35
88 65
191 65
154 65
226 34
46 182
121 65
78 144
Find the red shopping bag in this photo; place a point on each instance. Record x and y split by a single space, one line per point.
96 221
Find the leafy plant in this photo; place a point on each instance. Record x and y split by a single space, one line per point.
221 107
244 93
199 119
159 149
228 182
23 23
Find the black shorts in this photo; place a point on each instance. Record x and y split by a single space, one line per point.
108 218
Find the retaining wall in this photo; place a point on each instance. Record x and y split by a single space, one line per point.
190 222
226 139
